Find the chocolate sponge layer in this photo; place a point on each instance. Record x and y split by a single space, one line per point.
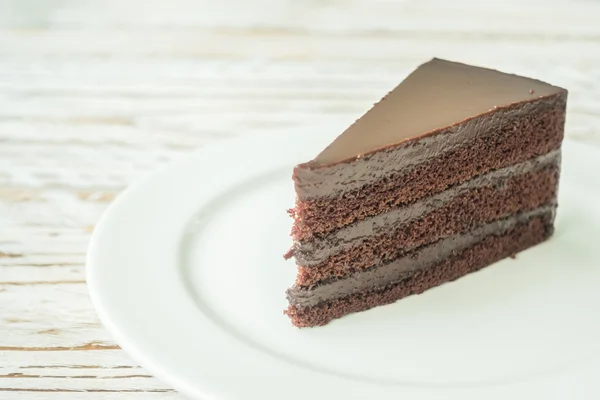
489 250
519 137
465 212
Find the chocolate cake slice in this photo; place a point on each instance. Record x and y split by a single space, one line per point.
453 170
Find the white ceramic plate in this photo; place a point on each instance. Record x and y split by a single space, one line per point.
186 271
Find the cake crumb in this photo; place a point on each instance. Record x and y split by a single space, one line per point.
289 254
531 91
513 256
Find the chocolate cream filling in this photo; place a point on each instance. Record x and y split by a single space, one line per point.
317 250
407 265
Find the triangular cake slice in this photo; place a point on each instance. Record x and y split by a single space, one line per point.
453 170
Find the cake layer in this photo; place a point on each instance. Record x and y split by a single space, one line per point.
498 187
332 197
468 211
487 251
418 259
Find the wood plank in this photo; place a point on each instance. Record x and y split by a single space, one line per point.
86 395
21 361
88 383
281 16
66 372
55 316
260 49
26 275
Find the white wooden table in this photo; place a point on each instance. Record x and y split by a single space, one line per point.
96 93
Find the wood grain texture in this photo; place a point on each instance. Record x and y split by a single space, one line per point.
95 94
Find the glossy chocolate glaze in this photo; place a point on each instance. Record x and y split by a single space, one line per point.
437 94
